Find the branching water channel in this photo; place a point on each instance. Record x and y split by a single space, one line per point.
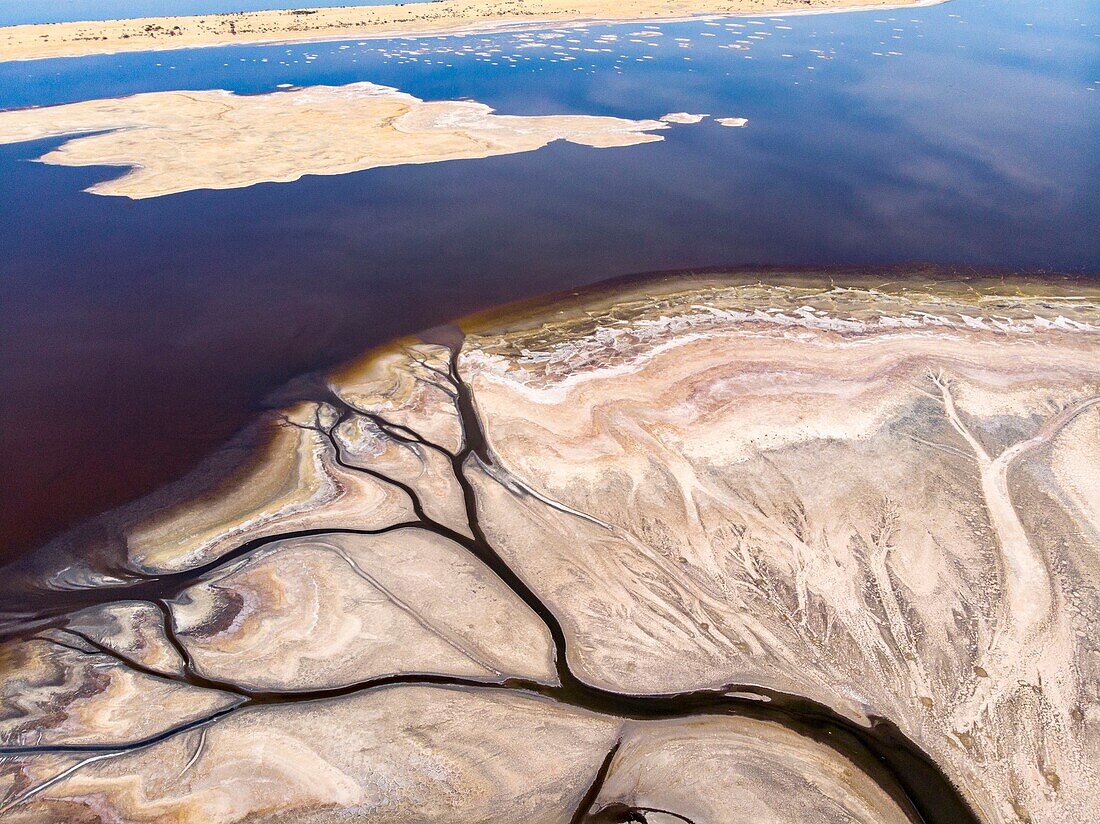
906 773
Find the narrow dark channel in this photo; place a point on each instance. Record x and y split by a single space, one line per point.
882 751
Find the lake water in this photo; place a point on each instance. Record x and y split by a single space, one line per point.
138 336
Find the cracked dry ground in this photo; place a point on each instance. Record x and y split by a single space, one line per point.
684 550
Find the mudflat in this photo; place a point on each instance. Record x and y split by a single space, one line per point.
559 562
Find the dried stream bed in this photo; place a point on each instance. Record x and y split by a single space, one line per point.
689 549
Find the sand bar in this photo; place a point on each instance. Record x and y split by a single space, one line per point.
185 140
30 42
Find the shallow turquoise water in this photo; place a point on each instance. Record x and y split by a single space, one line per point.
142 334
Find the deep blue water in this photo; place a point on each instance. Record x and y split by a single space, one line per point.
16 12
138 335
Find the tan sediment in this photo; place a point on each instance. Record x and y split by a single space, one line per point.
879 496
419 754
184 140
132 629
334 610
402 382
31 42
847 493
704 768
66 696
683 118
297 485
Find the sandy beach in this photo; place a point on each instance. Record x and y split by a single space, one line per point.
31 42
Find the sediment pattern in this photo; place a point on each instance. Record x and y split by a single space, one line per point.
689 550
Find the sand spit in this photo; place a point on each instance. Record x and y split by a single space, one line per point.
31 42
182 140
670 546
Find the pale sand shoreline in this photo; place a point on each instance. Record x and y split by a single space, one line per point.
444 17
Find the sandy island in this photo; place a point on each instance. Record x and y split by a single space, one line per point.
180 141
32 42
